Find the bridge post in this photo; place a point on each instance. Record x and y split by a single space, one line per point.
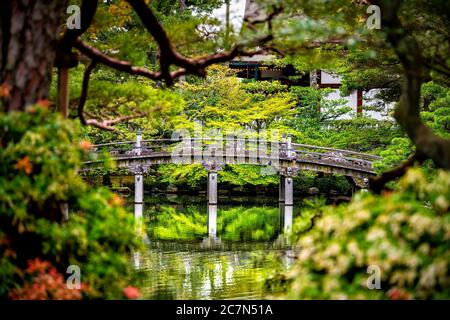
287 197
288 191
212 204
138 195
288 203
212 168
281 200
358 184
212 220
212 187
138 183
289 146
138 142
281 189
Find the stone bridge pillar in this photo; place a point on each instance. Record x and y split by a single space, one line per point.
288 205
138 195
281 189
211 192
358 183
139 171
212 188
286 197
138 182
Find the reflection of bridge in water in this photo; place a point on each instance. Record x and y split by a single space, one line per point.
276 157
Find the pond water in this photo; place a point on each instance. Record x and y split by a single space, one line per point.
193 266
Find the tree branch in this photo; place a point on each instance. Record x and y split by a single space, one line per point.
120 65
101 124
65 58
84 91
407 113
108 123
377 184
88 9
170 56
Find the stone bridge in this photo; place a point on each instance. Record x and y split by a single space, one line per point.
284 158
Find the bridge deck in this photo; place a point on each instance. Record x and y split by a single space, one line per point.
280 155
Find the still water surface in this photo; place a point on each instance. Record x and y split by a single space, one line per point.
206 269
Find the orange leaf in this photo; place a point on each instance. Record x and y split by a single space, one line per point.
116 200
85 145
5 91
131 292
25 165
44 103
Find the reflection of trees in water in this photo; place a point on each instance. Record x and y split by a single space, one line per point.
233 224
205 274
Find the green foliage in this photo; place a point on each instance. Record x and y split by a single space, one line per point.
241 175
305 221
435 113
315 108
317 123
237 224
360 134
223 102
397 152
40 157
192 175
118 29
405 233
167 224
436 108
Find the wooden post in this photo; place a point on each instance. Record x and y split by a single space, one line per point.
63 91
63 107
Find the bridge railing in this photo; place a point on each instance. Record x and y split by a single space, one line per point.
240 146
339 157
152 146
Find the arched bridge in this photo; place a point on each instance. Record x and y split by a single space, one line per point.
284 156
277 157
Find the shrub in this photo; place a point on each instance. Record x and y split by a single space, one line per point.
44 282
405 233
40 156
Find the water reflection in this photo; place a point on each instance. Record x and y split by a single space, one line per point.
185 271
212 220
286 214
215 255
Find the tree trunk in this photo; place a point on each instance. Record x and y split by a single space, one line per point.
227 24
28 41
